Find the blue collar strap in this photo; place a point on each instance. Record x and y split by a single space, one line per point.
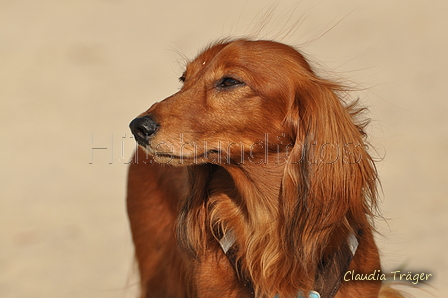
313 294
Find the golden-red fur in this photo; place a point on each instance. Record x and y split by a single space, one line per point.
273 154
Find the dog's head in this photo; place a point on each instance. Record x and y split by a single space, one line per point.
233 106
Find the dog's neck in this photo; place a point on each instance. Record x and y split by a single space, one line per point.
252 181
257 181
246 200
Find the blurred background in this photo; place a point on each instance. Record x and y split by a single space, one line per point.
73 74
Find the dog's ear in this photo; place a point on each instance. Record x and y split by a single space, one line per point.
329 183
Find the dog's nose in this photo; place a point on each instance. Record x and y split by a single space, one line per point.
143 128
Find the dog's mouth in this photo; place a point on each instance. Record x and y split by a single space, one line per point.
166 157
207 154
171 154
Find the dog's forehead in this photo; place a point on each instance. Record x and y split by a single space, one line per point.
223 55
207 55
211 52
247 53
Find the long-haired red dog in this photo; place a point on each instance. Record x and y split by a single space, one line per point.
253 181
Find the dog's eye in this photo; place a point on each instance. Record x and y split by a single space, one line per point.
228 82
182 78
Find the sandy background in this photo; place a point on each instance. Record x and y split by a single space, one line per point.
73 74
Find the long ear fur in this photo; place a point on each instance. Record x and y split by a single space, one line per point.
329 183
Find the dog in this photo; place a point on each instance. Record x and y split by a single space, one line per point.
253 180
